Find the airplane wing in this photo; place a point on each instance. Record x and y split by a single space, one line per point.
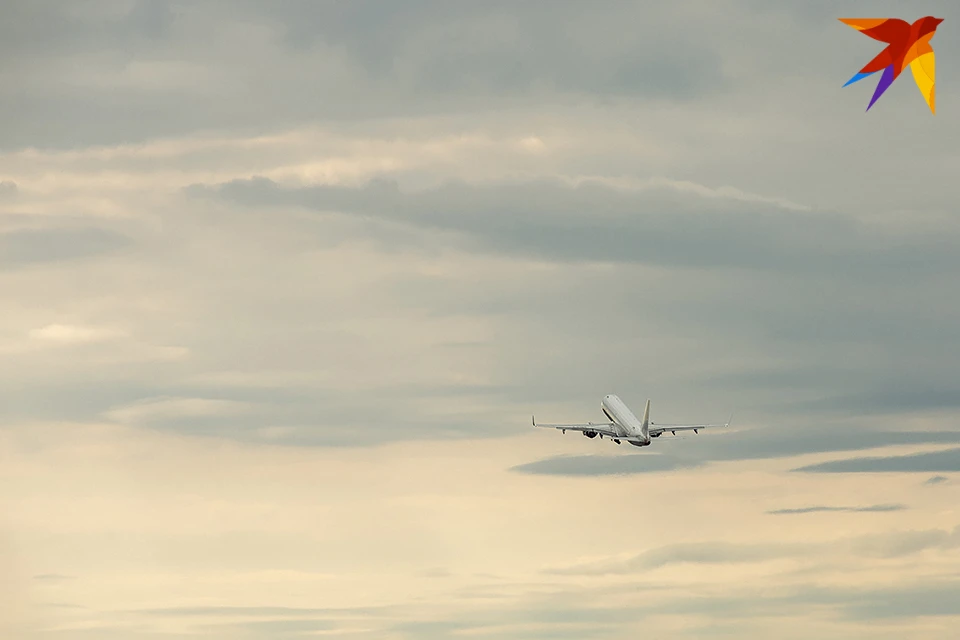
608 429
656 428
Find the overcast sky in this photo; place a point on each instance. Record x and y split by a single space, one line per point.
283 283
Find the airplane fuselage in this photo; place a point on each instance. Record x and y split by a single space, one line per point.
634 431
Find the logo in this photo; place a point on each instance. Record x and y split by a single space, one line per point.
907 44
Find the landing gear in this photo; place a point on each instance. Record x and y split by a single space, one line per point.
616 440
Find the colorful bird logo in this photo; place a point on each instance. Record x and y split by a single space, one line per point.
907 44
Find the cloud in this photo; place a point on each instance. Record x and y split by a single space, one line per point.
568 615
239 612
52 577
467 213
597 465
515 311
791 297
291 526
885 400
936 480
291 628
502 48
154 409
559 618
74 334
948 460
924 600
886 546
300 414
870 509
162 69
869 278
655 225
781 442
8 188
904 602
692 553
747 444
30 247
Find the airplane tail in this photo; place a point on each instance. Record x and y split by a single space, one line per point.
645 426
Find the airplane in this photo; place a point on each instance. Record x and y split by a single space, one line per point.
624 425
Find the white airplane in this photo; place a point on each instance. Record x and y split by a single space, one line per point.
624 425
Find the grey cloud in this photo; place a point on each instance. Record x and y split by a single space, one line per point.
805 290
119 632
578 631
570 611
948 460
52 577
823 11
154 68
748 444
76 399
908 601
781 442
40 246
317 61
733 307
279 629
498 47
936 480
912 601
321 417
888 393
885 545
564 613
889 400
167 69
693 553
561 623
928 600
854 321
8 188
432 628
42 27
903 543
882 508
259 612
597 465
554 221
569 619
296 416
778 347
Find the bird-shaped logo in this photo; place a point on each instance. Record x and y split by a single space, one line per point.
907 44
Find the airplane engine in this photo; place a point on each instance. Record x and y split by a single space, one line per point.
590 434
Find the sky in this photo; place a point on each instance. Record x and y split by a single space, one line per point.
283 283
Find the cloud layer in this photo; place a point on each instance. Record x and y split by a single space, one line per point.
284 281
